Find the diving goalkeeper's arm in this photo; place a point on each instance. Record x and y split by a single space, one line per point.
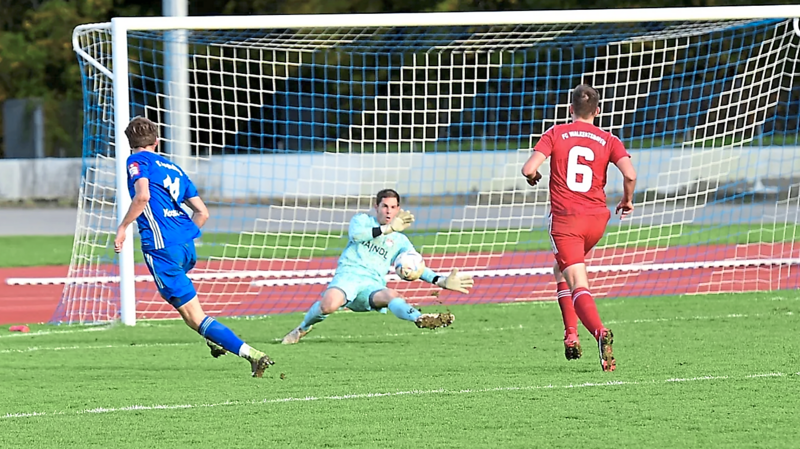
454 282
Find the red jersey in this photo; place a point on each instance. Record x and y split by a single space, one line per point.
579 155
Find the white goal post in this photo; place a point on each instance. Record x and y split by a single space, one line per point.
443 107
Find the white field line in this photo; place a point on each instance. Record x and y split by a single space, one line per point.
686 318
395 334
378 395
169 322
93 347
66 331
312 337
783 298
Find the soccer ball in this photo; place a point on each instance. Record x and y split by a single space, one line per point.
409 265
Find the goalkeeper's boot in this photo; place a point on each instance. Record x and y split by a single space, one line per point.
604 342
572 346
434 320
295 335
259 362
216 350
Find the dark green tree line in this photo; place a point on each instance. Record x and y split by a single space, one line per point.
37 59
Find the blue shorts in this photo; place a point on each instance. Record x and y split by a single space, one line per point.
169 267
357 289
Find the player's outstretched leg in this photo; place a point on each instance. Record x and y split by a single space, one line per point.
219 338
313 316
224 338
295 335
401 309
333 299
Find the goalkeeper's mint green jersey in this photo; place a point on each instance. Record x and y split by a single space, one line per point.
370 257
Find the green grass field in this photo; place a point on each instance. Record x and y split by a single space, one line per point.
56 250
696 371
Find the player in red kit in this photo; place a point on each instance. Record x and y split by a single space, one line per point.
579 156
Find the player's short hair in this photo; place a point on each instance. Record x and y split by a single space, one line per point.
141 132
386 193
585 100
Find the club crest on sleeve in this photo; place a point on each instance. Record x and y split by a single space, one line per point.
389 242
133 169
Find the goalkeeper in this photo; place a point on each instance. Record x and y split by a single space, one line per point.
360 282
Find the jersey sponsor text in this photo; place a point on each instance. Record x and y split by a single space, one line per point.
586 134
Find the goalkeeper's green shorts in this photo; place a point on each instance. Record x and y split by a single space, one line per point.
358 290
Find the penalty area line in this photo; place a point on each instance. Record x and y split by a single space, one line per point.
377 395
334 337
201 344
45 332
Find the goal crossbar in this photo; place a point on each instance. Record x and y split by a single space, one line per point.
459 18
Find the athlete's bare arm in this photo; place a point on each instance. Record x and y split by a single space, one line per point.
200 211
625 167
531 168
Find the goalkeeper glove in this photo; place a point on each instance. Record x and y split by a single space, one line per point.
399 223
455 282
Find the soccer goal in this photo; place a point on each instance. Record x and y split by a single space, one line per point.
289 125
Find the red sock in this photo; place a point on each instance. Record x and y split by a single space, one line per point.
587 310
567 309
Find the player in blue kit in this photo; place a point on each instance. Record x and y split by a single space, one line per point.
360 283
158 187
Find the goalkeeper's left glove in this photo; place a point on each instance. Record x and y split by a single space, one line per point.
455 282
399 223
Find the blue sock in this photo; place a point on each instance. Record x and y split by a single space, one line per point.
402 310
220 334
313 316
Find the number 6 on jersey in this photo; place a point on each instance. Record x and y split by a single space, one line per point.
575 168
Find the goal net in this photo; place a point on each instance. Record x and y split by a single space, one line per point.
290 125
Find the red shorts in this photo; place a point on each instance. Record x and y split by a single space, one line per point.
573 236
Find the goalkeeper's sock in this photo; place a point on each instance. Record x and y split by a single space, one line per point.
567 308
313 316
221 335
586 310
401 309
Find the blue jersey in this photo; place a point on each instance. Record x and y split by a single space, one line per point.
367 256
163 222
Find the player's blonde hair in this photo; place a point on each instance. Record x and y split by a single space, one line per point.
585 100
141 132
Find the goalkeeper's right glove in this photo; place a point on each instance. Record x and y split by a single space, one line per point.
455 282
399 223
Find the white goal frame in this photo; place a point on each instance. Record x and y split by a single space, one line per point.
120 27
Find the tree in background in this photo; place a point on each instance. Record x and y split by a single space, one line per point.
37 60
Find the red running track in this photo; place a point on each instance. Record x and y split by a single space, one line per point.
31 304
